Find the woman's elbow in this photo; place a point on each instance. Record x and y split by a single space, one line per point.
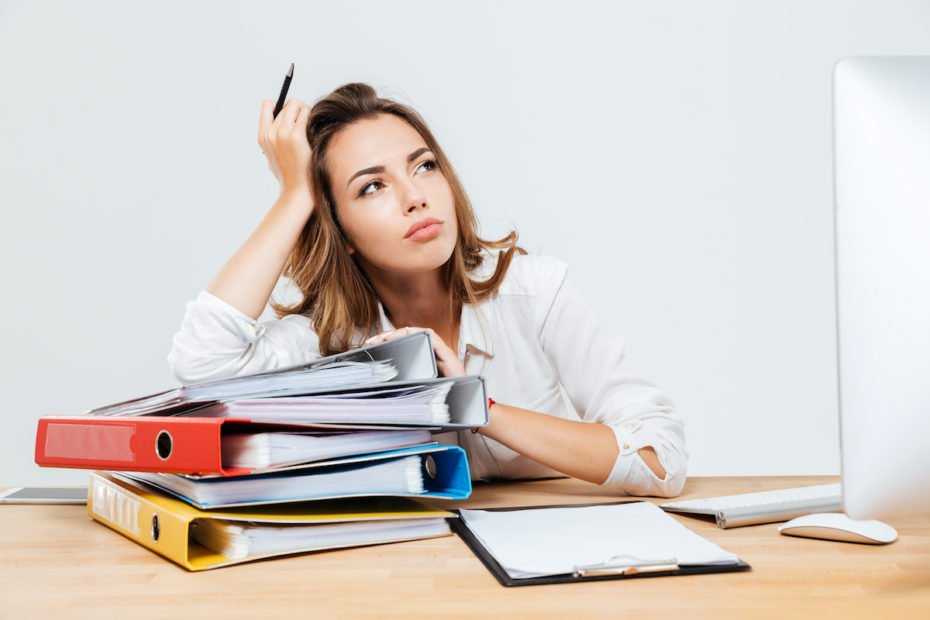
634 477
653 486
189 367
672 485
183 368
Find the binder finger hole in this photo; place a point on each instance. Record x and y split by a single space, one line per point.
429 467
156 529
164 444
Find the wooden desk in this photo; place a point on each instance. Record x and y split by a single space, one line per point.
56 562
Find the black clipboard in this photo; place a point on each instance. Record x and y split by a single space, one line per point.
459 527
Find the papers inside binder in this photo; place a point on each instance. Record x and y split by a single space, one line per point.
397 476
293 381
410 404
238 540
171 526
269 450
278 383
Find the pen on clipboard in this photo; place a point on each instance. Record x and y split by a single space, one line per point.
626 565
284 89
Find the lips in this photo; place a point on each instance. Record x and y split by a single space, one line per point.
424 229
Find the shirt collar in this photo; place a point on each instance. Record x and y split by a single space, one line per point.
475 332
386 325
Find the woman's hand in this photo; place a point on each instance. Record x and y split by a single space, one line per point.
283 140
447 362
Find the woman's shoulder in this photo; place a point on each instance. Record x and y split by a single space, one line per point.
527 274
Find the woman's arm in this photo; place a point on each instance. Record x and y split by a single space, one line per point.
218 341
249 277
220 336
247 280
593 369
586 450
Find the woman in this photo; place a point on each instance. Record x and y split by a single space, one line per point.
375 230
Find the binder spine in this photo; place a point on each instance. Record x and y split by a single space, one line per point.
448 477
113 506
413 356
158 444
73 443
139 520
468 404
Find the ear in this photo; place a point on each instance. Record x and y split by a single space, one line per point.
350 248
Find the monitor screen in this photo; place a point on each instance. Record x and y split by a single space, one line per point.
882 191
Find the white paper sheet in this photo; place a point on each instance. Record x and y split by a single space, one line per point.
556 541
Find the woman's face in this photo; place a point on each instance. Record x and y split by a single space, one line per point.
393 201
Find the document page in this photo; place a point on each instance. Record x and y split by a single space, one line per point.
237 540
556 541
418 404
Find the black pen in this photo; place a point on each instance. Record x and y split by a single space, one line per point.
287 85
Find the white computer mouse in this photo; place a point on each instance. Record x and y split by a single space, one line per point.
837 526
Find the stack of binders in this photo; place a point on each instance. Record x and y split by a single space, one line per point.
321 456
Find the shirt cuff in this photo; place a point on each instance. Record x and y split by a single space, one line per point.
632 475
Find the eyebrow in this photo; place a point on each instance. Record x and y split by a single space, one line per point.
379 169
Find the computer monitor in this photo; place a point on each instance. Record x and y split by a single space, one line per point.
882 191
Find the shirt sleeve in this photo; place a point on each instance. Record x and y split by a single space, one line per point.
218 341
593 369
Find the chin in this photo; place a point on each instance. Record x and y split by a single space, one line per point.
428 257
429 261
417 258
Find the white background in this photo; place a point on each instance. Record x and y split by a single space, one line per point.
676 154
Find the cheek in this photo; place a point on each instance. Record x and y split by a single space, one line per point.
366 229
445 191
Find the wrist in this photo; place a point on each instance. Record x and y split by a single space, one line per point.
493 408
297 197
295 190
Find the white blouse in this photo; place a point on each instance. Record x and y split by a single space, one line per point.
536 342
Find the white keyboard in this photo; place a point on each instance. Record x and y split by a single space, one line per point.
764 506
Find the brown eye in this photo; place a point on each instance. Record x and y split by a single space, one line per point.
430 165
364 191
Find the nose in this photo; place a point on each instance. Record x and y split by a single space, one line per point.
417 204
414 198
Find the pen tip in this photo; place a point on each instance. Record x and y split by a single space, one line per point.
290 72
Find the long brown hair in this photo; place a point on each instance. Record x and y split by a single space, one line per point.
337 296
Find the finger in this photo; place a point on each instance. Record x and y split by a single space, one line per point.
448 364
440 348
297 103
379 337
397 333
264 121
303 119
444 355
437 341
400 332
288 114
